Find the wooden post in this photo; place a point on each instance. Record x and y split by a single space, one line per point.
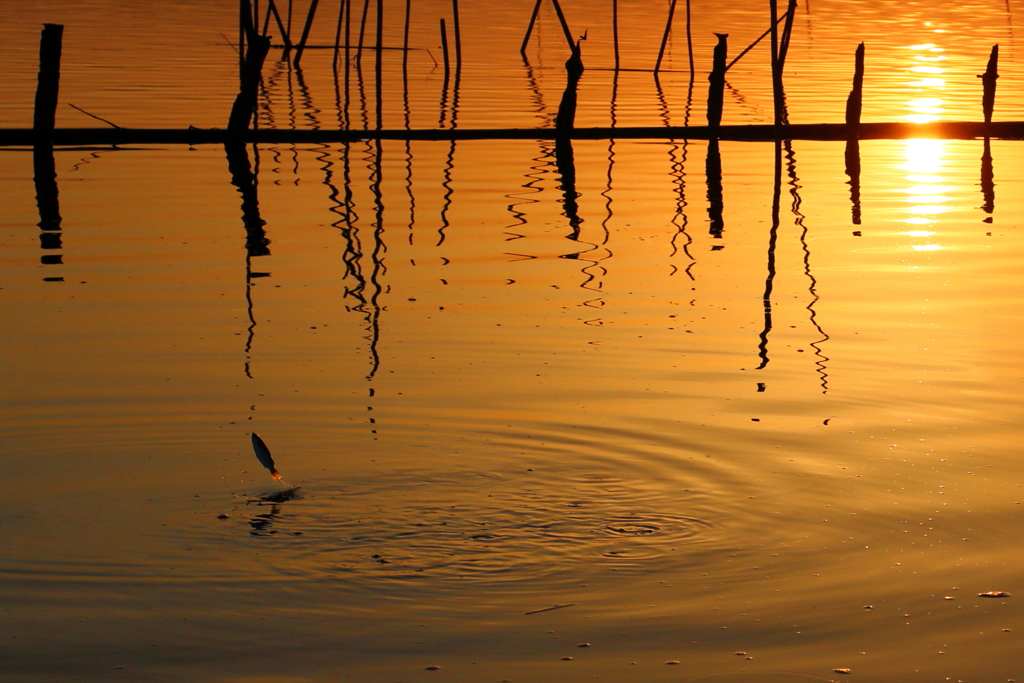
272 9
405 37
444 52
566 117
776 70
615 31
787 32
245 102
529 28
379 66
716 89
337 33
458 35
853 103
565 24
305 31
48 87
362 33
988 82
689 42
664 36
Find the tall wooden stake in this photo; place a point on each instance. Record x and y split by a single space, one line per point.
529 28
776 71
615 31
716 89
988 82
664 36
458 35
305 31
245 102
856 99
565 25
379 65
48 86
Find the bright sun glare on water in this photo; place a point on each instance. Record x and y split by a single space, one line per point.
925 193
926 108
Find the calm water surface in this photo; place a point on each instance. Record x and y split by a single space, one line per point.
755 432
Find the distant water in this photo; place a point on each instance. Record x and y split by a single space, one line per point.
745 413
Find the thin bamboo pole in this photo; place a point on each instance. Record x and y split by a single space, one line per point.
529 28
305 31
664 36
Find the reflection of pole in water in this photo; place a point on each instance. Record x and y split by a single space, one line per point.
853 171
256 242
377 258
566 163
45 178
988 186
794 190
713 173
773 236
677 160
449 165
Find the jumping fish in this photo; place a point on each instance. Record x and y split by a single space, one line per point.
263 455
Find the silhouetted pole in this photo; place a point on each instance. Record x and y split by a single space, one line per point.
566 117
776 70
988 82
664 36
856 98
564 23
362 33
272 9
245 102
405 37
305 31
787 32
44 119
689 42
379 65
615 31
716 89
337 33
529 28
458 35
48 87
444 53
753 44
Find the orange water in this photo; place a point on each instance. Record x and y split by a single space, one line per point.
493 407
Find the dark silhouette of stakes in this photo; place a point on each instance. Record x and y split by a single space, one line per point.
245 102
529 28
43 120
300 48
716 89
664 36
856 99
988 82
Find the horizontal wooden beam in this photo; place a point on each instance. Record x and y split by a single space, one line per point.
952 130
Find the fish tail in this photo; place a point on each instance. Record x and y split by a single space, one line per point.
275 475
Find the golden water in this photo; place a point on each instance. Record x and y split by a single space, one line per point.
493 409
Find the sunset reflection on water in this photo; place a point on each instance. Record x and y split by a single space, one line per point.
549 411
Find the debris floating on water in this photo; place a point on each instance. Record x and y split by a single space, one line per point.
548 609
841 671
994 594
263 455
